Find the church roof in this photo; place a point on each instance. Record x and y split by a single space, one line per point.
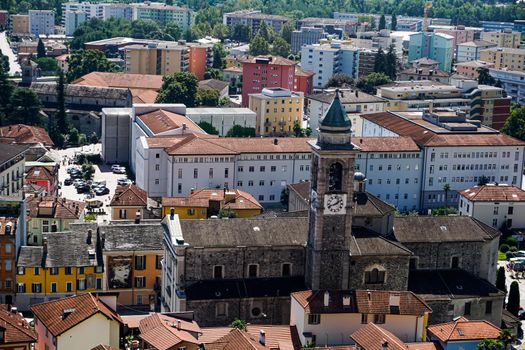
336 116
367 243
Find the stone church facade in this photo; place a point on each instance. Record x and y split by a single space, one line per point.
247 268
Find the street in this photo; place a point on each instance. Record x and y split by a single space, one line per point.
14 67
102 173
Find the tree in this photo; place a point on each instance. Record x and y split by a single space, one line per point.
297 130
73 137
259 46
446 189
340 80
281 47
40 49
483 180
382 22
220 31
491 344
507 338
373 80
173 30
82 62
241 33
4 62
227 213
47 64
208 128
218 56
62 120
285 195
213 73
7 88
500 279
191 34
208 98
179 88
25 107
391 63
240 131
380 62
142 29
239 324
266 32
393 22
515 123
286 31
484 77
513 302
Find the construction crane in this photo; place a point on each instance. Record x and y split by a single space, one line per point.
428 6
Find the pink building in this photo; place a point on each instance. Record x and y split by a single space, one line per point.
460 35
266 71
471 68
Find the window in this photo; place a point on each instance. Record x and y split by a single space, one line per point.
179 173
158 262
36 288
496 209
140 282
413 263
211 173
494 222
21 287
195 173
468 305
273 168
37 271
54 271
69 287
335 177
375 276
157 181
140 262
218 272
81 284
221 309
488 307
8 248
21 270
251 169
53 287
314 318
253 270
286 270
364 318
99 283
240 169
81 270
157 155
191 212
262 168
379 318
157 167
510 211
68 270
455 262
226 173
122 214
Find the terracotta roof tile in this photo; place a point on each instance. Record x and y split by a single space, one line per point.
143 95
121 80
303 72
54 207
83 306
235 199
463 329
17 330
282 337
494 193
22 133
386 144
129 196
372 337
104 347
160 121
163 331
41 173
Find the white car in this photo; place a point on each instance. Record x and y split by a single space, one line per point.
119 170
114 166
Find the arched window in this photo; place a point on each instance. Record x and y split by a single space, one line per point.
335 177
375 276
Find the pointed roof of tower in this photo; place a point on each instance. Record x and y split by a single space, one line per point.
336 115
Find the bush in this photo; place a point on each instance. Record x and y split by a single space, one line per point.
504 248
511 241
90 217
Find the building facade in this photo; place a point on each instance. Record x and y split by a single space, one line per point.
471 50
513 82
160 58
504 57
72 20
436 46
306 36
20 24
223 119
460 34
503 38
164 14
12 167
253 20
41 22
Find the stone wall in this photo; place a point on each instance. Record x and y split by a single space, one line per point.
396 272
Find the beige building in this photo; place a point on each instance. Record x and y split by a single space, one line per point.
160 58
277 110
20 24
510 58
504 38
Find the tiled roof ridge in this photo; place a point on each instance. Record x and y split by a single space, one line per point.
389 335
6 317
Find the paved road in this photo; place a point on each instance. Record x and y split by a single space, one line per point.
6 50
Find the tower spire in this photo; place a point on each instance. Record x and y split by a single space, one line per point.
335 129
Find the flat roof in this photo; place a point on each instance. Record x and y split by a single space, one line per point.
225 110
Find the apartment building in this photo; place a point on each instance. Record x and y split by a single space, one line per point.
513 82
172 166
471 69
163 14
470 51
277 111
20 24
436 46
383 39
41 22
456 151
9 231
303 81
503 38
325 60
117 10
494 26
265 72
200 58
156 58
92 10
460 34
306 36
404 23
334 27
504 57
354 102
253 19
72 19
12 167
86 10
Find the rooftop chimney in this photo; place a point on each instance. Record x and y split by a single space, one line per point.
178 325
172 213
346 300
137 217
275 141
326 299
262 337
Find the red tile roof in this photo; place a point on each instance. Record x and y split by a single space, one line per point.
104 347
236 199
21 133
129 196
17 330
494 193
82 307
303 73
373 337
121 80
163 332
54 207
464 329
41 173
277 337
386 144
160 121
362 301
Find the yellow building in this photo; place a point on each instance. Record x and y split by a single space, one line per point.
204 203
277 109
20 24
127 202
504 38
66 263
158 58
504 57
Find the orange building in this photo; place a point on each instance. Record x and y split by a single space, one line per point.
128 203
303 81
201 57
8 232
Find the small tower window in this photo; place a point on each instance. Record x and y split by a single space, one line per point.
335 177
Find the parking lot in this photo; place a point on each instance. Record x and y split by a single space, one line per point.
102 173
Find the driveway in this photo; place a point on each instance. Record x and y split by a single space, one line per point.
6 51
102 173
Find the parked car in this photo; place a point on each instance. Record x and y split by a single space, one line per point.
123 182
79 182
99 183
83 189
72 168
115 166
119 170
68 181
100 191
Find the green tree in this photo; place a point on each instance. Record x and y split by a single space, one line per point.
173 30
507 337
208 98
240 131
483 180
484 77
179 88
220 31
446 189
281 48
191 34
340 80
239 324
286 31
25 107
393 23
380 62
4 62
73 137
62 120
266 32
373 80
227 213
391 62
40 49
285 195
82 62
241 33
218 56
47 64
213 73
515 123
500 279
143 29
259 46
208 128
491 344
7 88
513 302
382 22
297 130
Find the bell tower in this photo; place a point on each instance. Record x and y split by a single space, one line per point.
330 213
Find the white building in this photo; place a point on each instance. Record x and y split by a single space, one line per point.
513 82
172 166
163 14
355 103
41 22
72 20
470 50
455 151
325 60
223 119
92 10
117 10
330 317
497 205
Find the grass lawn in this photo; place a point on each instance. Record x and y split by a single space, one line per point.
502 256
